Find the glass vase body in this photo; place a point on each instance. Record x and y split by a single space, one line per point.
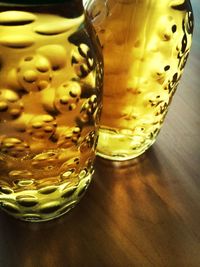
50 102
145 47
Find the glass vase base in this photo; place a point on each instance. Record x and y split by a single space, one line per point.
116 146
44 204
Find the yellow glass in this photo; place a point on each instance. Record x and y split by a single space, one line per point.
50 102
145 47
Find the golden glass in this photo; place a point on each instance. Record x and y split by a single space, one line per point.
50 102
145 47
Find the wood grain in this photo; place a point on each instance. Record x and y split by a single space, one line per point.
142 213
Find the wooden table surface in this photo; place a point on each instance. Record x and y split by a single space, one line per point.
142 213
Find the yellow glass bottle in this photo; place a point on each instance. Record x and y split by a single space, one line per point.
50 101
145 47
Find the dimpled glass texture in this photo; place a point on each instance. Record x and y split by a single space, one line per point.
145 47
50 103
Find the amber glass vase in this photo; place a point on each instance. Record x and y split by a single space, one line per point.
50 102
145 47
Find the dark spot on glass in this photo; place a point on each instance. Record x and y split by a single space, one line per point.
54 138
67 137
81 52
63 102
84 72
15 116
36 126
55 68
41 69
156 130
74 60
28 81
174 28
3 109
46 191
21 130
5 190
16 23
48 130
181 7
27 203
29 58
184 43
72 94
50 209
69 193
166 68
175 77
166 37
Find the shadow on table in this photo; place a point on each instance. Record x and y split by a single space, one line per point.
125 219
